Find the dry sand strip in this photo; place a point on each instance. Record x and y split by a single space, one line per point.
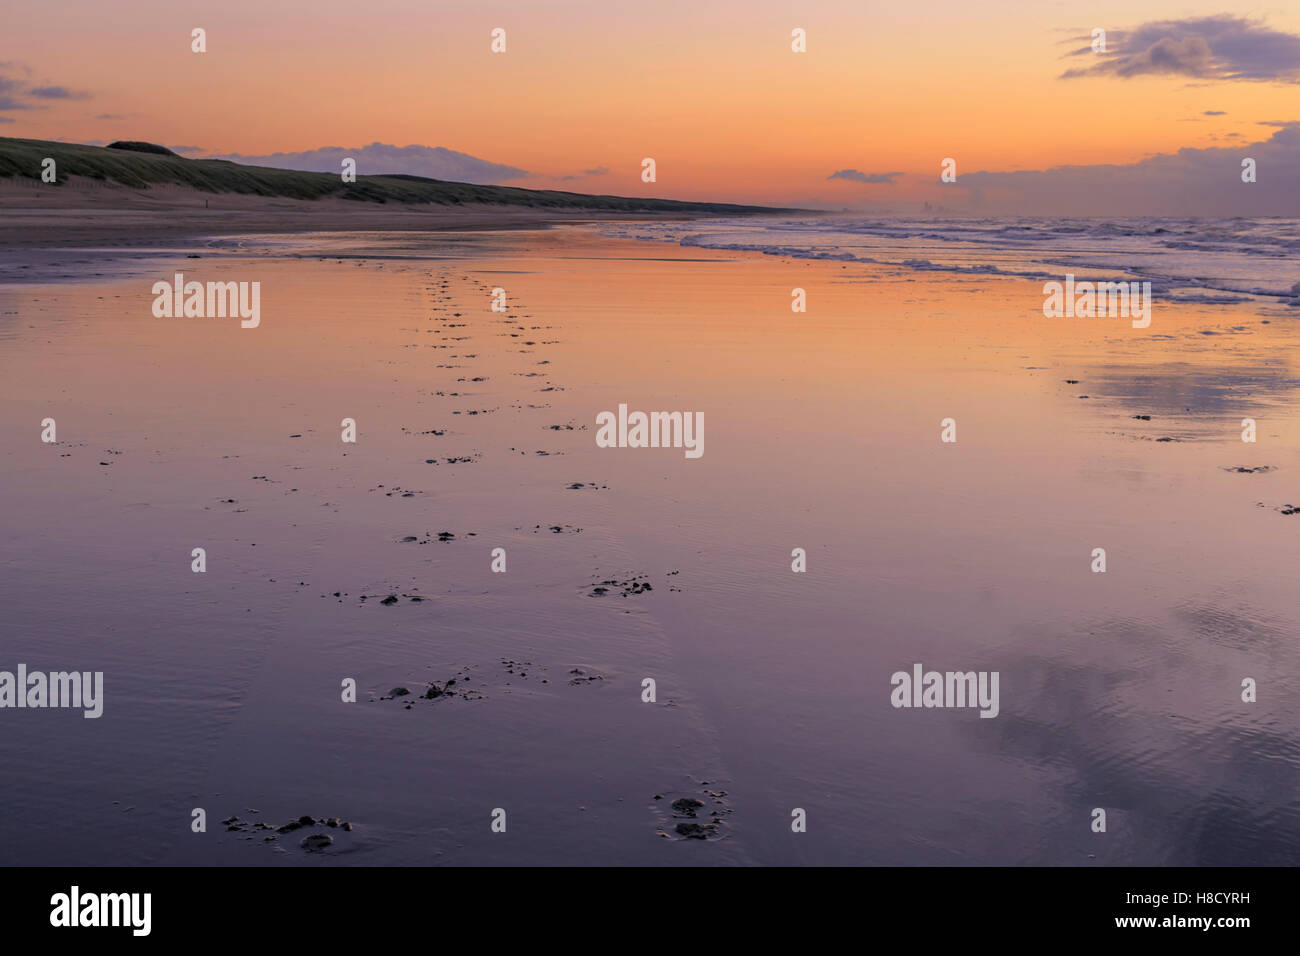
36 215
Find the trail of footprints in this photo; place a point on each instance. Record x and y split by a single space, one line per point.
694 816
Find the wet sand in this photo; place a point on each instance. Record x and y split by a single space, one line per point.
1118 690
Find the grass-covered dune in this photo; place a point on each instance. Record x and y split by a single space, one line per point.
142 165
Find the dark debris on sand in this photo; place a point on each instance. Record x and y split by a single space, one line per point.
687 820
312 843
452 687
513 674
636 584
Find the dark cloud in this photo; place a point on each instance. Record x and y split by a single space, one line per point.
1215 113
858 176
1222 47
598 171
376 159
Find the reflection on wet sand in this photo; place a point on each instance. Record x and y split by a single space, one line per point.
478 549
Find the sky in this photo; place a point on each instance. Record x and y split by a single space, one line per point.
712 91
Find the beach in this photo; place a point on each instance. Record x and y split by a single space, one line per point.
476 430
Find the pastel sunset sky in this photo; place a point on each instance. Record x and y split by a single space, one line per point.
711 90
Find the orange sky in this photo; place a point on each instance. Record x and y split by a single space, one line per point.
712 91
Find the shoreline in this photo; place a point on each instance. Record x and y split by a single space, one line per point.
85 212
89 231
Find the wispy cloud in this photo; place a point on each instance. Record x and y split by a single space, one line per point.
857 176
56 93
1222 47
597 171
18 93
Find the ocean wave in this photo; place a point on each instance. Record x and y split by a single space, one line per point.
1203 261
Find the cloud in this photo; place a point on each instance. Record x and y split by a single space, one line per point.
1214 113
376 159
1222 47
1190 182
109 116
16 93
56 93
5 119
598 171
858 176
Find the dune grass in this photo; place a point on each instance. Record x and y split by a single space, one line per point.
131 166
